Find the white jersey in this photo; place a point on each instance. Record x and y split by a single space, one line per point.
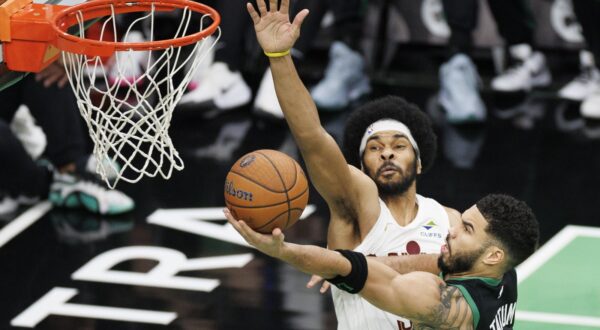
425 234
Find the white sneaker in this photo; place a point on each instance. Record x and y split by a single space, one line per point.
345 79
73 192
204 66
590 108
8 205
459 93
129 66
529 71
111 167
266 102
221 88
585 83
31 135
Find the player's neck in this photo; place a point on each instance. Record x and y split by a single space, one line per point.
403 207
486 273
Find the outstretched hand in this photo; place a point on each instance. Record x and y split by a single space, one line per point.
274 31
54 73
271 245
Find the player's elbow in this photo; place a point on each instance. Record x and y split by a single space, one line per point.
313 137
413 294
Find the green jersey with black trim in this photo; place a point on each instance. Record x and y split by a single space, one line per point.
493 302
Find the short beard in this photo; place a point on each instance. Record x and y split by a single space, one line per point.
459 263
396 188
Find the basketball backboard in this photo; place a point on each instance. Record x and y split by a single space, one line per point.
7 77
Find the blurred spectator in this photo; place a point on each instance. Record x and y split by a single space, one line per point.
459 78
587 12
62 174
224 88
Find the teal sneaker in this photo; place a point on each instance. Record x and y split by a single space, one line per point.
70 191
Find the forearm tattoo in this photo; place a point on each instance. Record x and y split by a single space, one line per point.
452 313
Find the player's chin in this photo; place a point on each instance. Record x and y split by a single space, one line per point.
391 179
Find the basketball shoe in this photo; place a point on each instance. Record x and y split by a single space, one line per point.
590 108
266 103
529 71
88 165
32 136
129 66
586 82
459 94
8 205
75 192
344 81
202 69
221 89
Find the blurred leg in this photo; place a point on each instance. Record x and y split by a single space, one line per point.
55 111
235 22
19 174
515 20
528 68
10 100
348 21
461 16
587 12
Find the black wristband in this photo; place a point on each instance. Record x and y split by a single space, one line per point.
355 281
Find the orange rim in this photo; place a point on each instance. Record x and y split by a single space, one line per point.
100 8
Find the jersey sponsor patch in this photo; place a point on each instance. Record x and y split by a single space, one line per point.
430 224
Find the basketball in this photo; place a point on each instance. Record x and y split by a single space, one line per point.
267 189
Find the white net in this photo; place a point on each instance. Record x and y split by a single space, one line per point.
128 101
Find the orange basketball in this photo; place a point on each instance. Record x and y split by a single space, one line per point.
267 189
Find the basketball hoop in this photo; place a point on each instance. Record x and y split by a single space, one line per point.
128 120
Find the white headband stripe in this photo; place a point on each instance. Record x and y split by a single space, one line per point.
388 125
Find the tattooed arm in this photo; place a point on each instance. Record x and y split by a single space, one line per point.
421 297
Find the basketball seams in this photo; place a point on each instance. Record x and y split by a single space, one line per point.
271 221
295 174
282 182
258 183
277 216
271 205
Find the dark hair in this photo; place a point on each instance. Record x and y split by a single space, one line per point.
392 107
512 223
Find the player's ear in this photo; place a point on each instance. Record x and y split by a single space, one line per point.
494 255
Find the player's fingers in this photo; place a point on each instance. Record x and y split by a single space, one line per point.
253 14
250 235
41 75
325 287
51 78
49 81
63 81
285 6
231 220
300 18
272 6
313 281
278 235
262 7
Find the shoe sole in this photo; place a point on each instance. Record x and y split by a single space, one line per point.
542 80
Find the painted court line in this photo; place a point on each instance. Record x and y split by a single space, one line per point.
558 318
23 221
552 247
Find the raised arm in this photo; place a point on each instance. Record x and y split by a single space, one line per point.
340 185
421 297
